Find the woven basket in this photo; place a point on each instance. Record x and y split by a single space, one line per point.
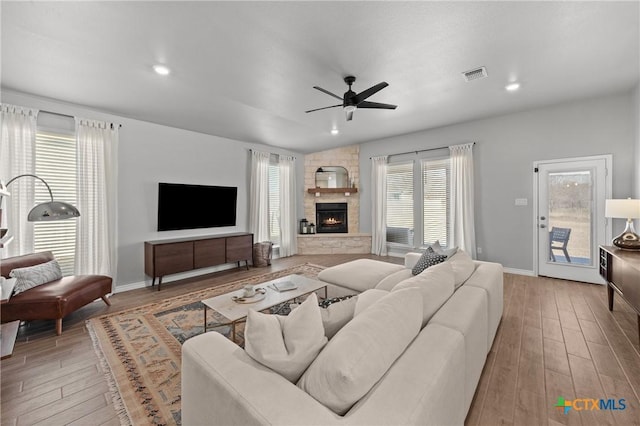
262 253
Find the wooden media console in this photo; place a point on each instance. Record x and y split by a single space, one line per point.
165 257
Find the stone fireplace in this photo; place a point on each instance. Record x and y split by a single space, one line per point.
332 218
338 232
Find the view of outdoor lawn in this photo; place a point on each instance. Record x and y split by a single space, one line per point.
570 204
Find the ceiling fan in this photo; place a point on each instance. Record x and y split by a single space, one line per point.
351 100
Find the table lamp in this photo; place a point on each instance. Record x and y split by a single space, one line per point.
625 209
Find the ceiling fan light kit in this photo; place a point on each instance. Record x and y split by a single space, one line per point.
352 100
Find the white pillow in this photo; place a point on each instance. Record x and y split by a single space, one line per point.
286 344
33 276
336 315
462 265
363 350
436 285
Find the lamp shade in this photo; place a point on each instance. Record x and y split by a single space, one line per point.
623 209
52 210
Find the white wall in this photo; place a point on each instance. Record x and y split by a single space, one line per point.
636 117
506 148
150 153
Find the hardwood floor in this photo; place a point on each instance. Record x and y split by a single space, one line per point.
557 338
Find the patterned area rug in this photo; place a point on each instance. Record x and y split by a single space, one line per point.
140 349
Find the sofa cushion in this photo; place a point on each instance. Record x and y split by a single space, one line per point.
462 265
358 275
436 285
363 350
286 344
368 298
390 282
429 258
337 314
33 276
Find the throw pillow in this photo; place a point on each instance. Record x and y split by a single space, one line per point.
286 344
33 276
463 267
363 350
337 314
328 302
440 250
436 285
428 258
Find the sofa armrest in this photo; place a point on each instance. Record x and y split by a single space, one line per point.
410 259
222 385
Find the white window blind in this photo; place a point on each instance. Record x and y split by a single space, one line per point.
435 200
400 203
55 162
274 204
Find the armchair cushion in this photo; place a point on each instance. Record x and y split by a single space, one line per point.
33 276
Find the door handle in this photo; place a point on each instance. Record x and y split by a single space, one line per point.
542 218
543 226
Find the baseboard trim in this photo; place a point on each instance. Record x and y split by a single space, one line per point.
519 272
173 277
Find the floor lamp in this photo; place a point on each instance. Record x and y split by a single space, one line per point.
49 210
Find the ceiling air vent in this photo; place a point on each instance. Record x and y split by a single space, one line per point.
474 74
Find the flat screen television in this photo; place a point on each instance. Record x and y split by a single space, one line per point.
183 206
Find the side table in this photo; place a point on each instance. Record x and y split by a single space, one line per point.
621 269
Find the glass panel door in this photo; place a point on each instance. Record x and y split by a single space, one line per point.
570 217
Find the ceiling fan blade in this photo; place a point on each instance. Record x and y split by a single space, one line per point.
327 92
370 91
349 115
367 104
318 109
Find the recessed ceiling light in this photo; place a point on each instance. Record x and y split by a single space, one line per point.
161 69
512 87
334 131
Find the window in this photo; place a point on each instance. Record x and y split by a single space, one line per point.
418 202
55 162
274 203
400 203
435 201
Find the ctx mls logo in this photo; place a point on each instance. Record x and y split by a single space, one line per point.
590 404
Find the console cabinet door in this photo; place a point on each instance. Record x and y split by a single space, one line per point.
239 248
208 253
172 258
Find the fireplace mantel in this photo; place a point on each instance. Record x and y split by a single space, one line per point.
344 191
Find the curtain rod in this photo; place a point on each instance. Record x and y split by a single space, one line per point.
271 153
71 116
420 150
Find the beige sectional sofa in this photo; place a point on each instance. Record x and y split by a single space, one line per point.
432 382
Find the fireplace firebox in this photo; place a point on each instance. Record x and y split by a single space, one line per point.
331 218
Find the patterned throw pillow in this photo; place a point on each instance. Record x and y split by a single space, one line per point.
328 302
33 276
428 258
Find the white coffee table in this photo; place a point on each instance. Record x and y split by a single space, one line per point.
236 312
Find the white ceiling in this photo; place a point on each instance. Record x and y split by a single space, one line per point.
246 70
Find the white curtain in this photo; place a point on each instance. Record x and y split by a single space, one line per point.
259 196
17 157
97 183
288 231
462 198
379 204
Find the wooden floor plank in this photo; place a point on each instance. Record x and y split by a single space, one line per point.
575 343
555 357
